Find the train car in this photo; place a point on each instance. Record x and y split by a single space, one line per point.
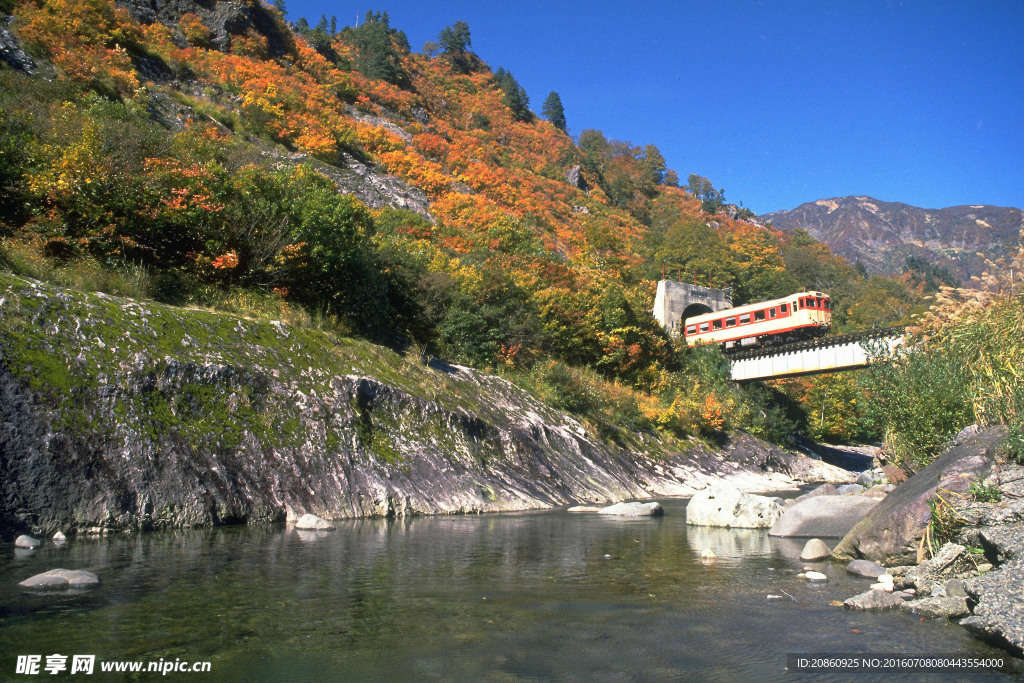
802 315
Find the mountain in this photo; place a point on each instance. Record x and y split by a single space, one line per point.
881 235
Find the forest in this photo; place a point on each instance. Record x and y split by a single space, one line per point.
173 161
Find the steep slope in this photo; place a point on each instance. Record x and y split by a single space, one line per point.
881 235
119 414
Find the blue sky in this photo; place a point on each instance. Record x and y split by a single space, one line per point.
777 102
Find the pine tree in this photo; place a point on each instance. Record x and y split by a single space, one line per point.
554 112
513 95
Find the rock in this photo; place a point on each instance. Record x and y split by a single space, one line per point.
815 549
873 600
815 576
885 587
999 610
823 516
309 522
848 489
574 176
878 491
984 567
955 588
948 607
61 579
722 506
865 568
584 508
707 554
26 542
633 510
950 558
866 478
59 538
823 490
892 531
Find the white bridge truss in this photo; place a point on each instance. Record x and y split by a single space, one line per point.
831 354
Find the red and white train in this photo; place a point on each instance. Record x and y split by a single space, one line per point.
799 316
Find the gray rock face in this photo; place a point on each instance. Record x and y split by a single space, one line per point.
633 510
823 490
873 600
847 489
301 424
865 568
999 612
830 516
61 579
723 506
309 522
574 176
891 533
26 542
814 550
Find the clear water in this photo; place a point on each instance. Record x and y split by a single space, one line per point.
532 596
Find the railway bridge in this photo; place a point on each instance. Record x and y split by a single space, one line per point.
829 354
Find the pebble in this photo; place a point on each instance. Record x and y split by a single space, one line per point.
707 554
815 576
984 567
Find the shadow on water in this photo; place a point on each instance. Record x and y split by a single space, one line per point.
548 596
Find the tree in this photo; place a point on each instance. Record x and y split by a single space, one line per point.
454 39
711 200
553 111
513 95
653 164
379 48
279 6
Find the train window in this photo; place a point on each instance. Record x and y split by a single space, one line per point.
716 324
759 315
730 322
784 308
744 319
828 305
771 313
691 329
704 327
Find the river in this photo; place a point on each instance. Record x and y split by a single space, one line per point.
530 596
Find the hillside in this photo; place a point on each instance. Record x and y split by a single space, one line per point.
882 235
212 154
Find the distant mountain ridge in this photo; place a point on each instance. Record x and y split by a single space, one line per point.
881 235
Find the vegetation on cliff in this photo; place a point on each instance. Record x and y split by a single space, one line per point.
191 154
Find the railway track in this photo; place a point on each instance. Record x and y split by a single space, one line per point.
820 343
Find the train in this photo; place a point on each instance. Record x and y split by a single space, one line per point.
804 315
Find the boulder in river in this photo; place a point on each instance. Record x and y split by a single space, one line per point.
823 516
26 542
633 510
584 508
891 533
61 579
865 568
724 506
815 549
943 606
873 600
309 522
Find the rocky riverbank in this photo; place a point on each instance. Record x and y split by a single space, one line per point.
127 415
952 537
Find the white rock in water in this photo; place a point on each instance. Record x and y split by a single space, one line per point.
633 510
26 542
815 549
61 579
885 587
584 508
707 554
815 576
310 522
59 538
723 506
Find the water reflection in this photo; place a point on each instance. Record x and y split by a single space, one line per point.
534 595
